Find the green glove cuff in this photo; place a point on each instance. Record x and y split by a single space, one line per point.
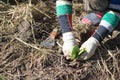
111 18
63 7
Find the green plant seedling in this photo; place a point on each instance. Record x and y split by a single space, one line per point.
76 52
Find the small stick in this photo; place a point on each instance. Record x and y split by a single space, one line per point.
59 44
41 12
35 47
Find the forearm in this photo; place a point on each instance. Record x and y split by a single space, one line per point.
64 14
108 23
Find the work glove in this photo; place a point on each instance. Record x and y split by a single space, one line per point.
90 46
69 45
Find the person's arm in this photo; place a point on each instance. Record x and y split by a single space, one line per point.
109 21
64 14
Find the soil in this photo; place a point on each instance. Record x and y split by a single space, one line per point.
25 25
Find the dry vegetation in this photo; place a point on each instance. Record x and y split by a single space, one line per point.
25 25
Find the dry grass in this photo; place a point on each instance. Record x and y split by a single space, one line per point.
23 58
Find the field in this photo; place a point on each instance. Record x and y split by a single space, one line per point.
24 25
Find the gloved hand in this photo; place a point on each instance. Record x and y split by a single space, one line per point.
69 45
90 45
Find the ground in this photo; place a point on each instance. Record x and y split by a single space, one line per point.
25 25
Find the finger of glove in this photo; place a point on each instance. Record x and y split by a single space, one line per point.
89 52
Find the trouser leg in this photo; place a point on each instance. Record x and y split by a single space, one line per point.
96 5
